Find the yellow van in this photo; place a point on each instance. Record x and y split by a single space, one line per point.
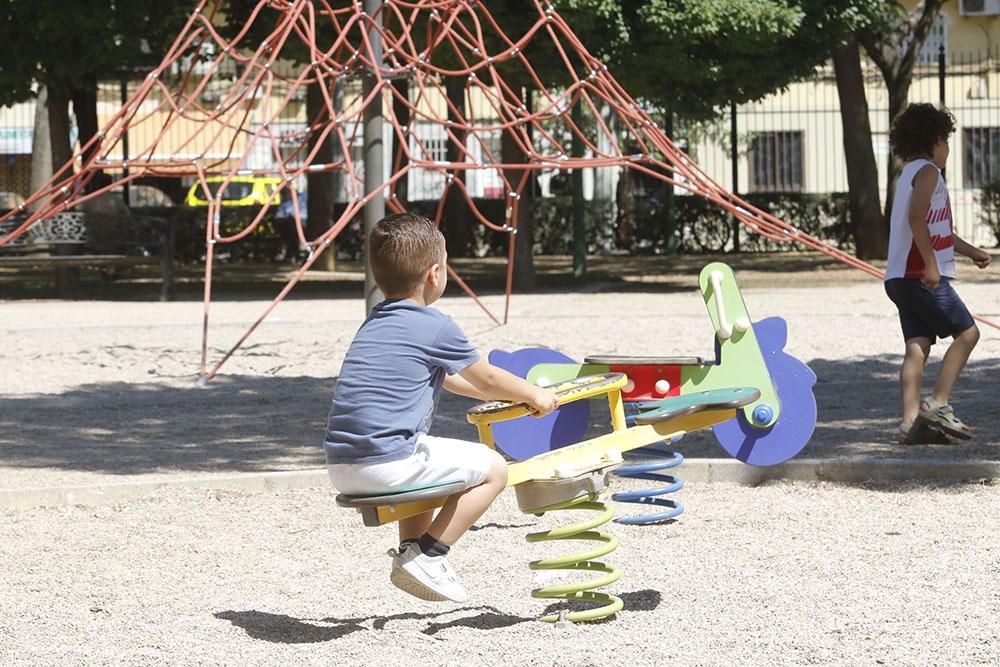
241 191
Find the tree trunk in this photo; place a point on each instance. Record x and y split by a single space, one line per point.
867 223
57 104
626 213
320 184
896 55
41 144
85 110
455 222
899 91
402 113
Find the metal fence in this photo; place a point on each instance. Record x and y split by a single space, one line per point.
792 141
789 142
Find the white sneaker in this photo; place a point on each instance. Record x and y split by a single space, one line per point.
426 577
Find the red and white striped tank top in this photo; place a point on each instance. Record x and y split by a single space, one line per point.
904 259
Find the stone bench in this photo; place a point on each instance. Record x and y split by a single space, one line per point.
71 240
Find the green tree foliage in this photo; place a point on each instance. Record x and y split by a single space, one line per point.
69 45
693 56
894 40
76 42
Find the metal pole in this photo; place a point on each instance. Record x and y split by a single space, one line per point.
941 68
734 156
374 179
670 208
123 89
579 222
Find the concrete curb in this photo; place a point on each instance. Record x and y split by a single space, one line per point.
698 471
853 471
108 494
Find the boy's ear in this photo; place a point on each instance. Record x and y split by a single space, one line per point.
431 276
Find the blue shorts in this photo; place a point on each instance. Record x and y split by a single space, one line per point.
928 313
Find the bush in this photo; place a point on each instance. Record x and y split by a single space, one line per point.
825 216
552 229
701 226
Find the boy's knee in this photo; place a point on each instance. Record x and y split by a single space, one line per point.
970 336
498 469
918 348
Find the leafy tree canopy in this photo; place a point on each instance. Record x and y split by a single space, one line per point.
692 56
78 42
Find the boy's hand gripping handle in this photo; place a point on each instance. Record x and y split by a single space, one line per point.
485 415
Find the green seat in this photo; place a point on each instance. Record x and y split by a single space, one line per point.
654 412
368 505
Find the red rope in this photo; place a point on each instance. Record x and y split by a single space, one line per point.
456 43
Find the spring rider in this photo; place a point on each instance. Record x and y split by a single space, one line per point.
757 399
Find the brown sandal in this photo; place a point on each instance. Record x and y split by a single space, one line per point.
921 432
943 417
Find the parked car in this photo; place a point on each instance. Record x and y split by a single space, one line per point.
241 191
275 238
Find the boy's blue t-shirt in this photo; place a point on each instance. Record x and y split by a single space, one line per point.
390 381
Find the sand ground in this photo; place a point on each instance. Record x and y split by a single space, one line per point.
786 573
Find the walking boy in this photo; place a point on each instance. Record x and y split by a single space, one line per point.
377 436
919 271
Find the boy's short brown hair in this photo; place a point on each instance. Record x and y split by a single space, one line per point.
918 128
401 248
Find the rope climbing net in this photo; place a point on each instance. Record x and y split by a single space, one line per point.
220 98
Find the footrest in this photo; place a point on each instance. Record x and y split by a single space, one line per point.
654 412
536 496
413 495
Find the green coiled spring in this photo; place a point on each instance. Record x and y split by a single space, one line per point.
583 590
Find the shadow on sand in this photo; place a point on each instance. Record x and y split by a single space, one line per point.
253 424
279 628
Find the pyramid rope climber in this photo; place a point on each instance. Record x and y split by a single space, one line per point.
427 43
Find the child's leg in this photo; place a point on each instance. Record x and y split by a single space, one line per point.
463 509
953 363
911 376
412 527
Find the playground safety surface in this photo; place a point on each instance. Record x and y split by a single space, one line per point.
146 521
102 391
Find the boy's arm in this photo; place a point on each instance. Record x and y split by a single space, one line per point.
979 257
457 384
485 381
920 202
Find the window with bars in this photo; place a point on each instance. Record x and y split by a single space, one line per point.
937 39
981 156
431 143
776 162
293 145
486 148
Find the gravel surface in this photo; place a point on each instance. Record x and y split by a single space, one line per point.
94 392
97 392
780 574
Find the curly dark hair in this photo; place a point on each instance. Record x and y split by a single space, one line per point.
918 128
